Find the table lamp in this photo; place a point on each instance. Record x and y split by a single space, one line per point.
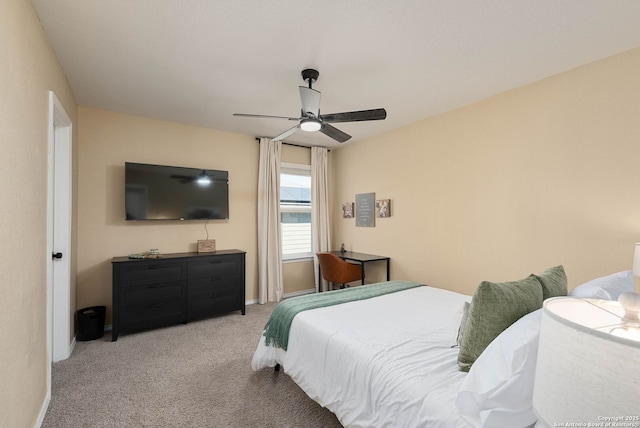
588 366
636 260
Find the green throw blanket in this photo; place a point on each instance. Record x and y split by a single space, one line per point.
276 331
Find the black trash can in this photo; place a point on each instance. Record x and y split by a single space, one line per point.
91 323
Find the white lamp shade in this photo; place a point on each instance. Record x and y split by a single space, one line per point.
584 372
636 260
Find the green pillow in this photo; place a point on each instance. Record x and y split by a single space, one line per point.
554 282
494 307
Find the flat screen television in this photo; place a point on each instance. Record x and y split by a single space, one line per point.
157 192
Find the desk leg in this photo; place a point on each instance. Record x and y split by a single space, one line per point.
319 279
362 270
388 274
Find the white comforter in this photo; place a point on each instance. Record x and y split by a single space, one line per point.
387 361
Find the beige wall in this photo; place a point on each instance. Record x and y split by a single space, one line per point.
295 154
298 276
29 71
109 139
542 175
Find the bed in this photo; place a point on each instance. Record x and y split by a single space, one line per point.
392 361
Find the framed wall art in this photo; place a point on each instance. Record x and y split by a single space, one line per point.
347 210
365 216
383 208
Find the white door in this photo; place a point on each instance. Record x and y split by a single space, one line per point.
60 308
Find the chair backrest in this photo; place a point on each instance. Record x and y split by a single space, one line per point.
337 270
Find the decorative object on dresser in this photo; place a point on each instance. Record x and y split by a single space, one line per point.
206 245
176 288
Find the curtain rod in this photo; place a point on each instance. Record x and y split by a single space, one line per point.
291 144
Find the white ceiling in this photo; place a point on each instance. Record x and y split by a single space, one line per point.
199 61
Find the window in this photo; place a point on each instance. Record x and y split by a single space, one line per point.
295 211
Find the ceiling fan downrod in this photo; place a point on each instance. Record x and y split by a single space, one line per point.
310 76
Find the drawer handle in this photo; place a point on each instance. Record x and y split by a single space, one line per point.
155 267
215 262
215 296
156 286
155 305
215 278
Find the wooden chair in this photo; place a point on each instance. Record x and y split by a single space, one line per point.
336 270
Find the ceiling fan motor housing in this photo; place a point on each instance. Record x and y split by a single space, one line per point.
310 75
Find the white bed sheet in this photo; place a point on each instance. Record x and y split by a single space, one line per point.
387 361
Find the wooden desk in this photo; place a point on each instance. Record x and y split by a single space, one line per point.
360 258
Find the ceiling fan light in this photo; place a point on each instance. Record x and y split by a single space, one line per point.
310 125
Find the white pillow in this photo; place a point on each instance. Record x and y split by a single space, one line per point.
498 391
607 287
463 316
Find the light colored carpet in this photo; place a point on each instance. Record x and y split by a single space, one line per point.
191 375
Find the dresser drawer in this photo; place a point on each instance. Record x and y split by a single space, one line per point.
152 292
221 285
151 272
146 315
214 302
215 267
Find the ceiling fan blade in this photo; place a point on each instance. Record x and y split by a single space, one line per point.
183 178
266 116
310 101
334 133
355 116
286 133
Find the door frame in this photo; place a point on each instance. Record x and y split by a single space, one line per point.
59 213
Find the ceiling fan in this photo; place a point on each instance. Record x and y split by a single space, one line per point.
310 118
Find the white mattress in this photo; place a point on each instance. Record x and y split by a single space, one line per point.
387 361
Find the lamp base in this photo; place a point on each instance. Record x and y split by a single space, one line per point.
631 304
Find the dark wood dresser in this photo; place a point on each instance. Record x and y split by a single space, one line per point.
175 288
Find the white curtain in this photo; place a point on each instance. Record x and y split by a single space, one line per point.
270 286
320 233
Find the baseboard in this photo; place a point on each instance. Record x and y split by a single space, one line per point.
286 296
299 293
72 346
43 409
